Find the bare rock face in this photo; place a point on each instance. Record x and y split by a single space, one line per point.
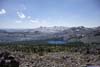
57 59
6 60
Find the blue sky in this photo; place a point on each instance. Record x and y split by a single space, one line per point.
36 13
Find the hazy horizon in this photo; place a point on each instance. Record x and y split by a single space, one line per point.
28 14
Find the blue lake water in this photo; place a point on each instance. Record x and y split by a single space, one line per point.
56 42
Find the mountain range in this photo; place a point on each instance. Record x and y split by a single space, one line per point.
71 34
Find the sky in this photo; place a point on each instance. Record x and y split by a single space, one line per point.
47 13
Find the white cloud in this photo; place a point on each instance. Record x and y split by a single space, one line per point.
3 11
29 17
18 21
35 20
21 15
37 23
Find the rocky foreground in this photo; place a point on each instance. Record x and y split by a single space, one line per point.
55 59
